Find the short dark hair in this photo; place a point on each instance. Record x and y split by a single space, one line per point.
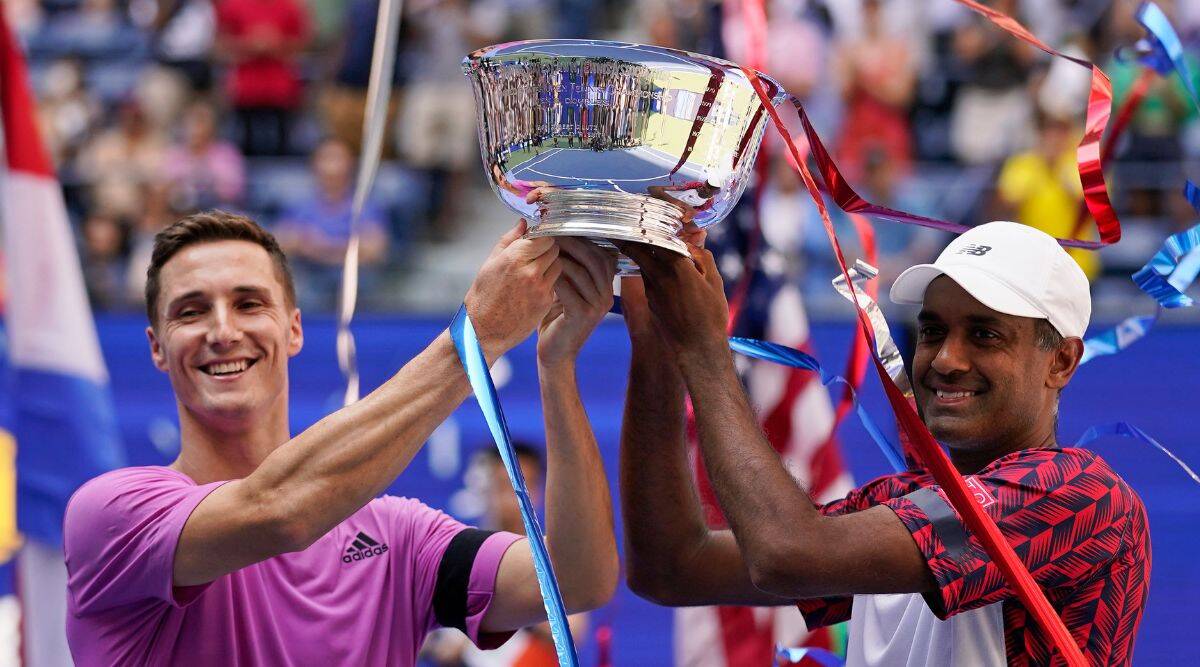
523 450
205 227
1045 335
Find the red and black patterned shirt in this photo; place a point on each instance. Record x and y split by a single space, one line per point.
1077 526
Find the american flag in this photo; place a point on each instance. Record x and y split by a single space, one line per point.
797 416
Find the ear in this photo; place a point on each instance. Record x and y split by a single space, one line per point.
1064 363
295 334
156 351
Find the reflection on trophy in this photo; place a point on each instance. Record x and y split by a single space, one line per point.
615 141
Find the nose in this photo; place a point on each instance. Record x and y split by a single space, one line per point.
223 330
951 357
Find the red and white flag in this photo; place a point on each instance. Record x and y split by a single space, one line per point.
59 404
797 417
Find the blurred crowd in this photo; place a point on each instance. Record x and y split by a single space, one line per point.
155 108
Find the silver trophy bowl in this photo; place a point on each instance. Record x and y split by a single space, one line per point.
615 141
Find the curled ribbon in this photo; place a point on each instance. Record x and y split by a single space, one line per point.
1166 278
1162 49
1172 269
470 353
885 345
793 358
1125 429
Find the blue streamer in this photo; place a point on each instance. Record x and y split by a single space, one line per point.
793 656
1192 194
1162 51
1172 270
1118 338
1127 430
1165 277
475 364
788 356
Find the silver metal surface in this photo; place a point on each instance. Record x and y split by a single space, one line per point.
615 141
885 345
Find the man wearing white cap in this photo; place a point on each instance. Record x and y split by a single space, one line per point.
1003 310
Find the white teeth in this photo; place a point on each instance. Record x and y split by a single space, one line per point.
227 367
954 394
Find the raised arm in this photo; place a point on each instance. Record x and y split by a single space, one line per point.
672 557
306 487
579 519
790 549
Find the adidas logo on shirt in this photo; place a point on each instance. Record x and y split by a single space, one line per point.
363 547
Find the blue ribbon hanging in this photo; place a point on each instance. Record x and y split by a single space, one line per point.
1127 430
1118 338
1162 50
785 655
475 365
788 356
791 357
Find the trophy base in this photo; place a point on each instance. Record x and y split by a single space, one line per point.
604 217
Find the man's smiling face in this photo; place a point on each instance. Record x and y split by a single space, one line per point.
224 331
981 379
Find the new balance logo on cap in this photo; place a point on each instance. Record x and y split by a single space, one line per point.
363 547
974 249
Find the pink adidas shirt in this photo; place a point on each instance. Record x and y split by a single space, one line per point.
366 593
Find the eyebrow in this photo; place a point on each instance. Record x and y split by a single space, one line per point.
196 294
977 320
928 316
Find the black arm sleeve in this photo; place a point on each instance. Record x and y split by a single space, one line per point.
454 573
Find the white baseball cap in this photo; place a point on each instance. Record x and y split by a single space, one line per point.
1010 268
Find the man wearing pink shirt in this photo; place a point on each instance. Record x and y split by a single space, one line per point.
257 548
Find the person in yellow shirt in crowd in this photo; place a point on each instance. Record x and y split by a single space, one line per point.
1040 187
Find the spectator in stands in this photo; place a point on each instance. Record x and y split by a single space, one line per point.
155 217
798 57
992 115
344 101
1040 187
67 111
183 39
676 24
437 126
25 16
104 242
262 41
878 73
899 246
529 647
92 28
314 232
121 160
203 171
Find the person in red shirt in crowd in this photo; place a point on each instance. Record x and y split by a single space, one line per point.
262 40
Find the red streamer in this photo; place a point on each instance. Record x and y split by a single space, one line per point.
1137 94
